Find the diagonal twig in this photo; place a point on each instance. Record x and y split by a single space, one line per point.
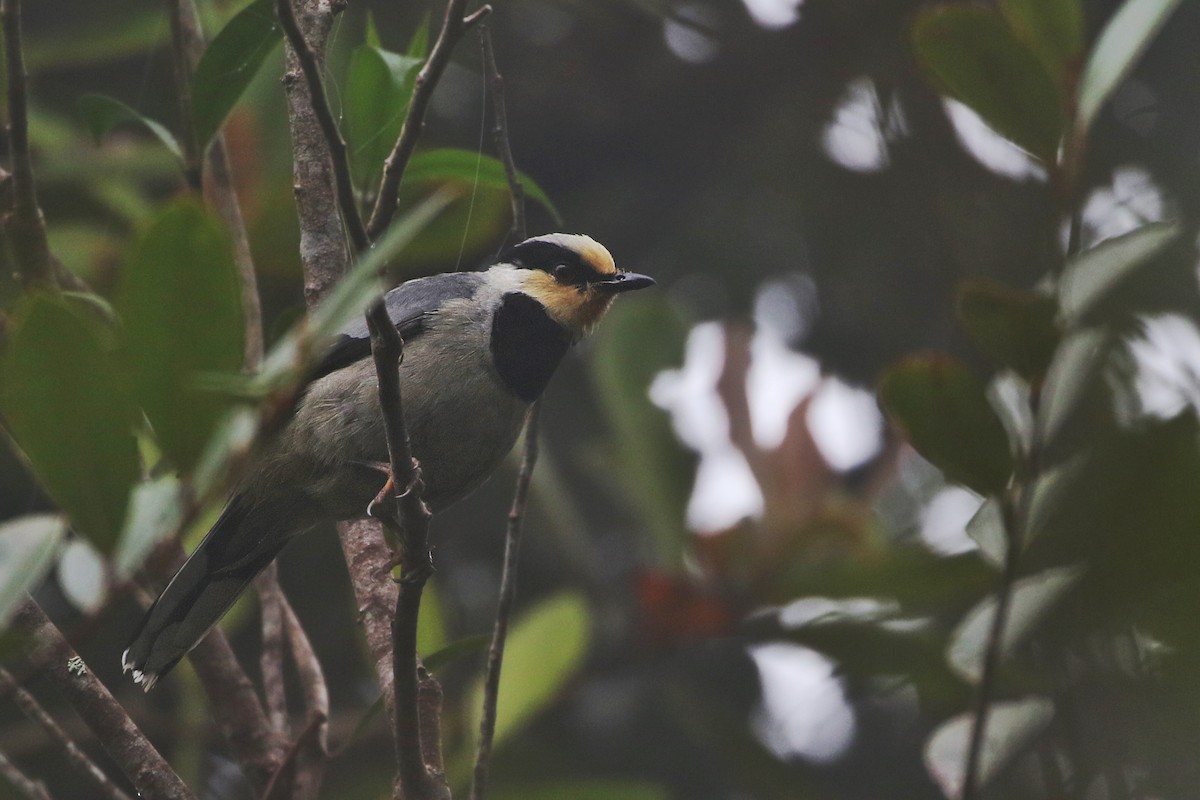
33 789
454 25
128 747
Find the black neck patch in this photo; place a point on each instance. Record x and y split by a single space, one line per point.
526 345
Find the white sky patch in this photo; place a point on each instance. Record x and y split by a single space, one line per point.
846 424
689 42
991 149
804 712
1166 366
1130 201
854 138
774 14
944 521
725 492
778 379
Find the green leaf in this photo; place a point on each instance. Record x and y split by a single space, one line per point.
941 408
1115 53
82 576
1015 329
1009 397
1033 598
180 299
27 548
155 511
102 114
470 167
545 648
65 405
640 338
1074 367
583 790
1090 276
975 57
1053 29
371 34
379 87
1012 727
230 63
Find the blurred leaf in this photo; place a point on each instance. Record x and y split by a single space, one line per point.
1015 329
102 114
1009 397
378 89
942 410
1053 29
1032 599
1012 726
82 576
27 548
230 440
919 580
371 32
472 168
349 298
986 528
583 790
1075 365
545 647
64 402
452 652
180 300
155 509
431 624
1093 274
418 45
640 338
1115 53
977 59
230 63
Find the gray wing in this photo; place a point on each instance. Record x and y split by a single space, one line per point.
408 306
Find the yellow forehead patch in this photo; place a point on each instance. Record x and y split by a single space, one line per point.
594 254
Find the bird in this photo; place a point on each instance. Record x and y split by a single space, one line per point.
480 348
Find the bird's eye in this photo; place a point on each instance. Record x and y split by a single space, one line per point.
562 273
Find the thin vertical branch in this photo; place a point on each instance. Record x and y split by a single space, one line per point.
26 227
508 584
312 746
271 603
516 515
128 747
454 25
78 759
516 191
185 50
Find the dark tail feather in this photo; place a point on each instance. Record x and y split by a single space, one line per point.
245 539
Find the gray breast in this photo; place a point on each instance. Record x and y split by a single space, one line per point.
461 420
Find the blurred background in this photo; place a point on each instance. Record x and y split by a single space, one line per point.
735 582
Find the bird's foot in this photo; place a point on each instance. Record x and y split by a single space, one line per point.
389 487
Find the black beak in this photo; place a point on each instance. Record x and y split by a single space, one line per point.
625 282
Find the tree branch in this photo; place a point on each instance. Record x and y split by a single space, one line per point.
454 25
35 790
136 757
271 602
312 745
78 759
324 117
26 227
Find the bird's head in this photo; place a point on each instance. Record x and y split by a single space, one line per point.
572 276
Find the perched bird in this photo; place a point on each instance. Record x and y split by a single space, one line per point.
479 349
